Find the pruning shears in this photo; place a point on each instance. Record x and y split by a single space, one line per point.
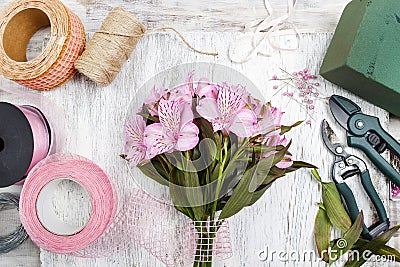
347 166
366 133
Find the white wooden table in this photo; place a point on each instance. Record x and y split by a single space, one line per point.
283 218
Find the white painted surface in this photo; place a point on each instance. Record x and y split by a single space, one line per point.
211 15
283 218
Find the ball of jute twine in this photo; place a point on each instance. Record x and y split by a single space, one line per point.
112 45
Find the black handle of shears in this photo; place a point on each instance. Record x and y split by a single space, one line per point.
360 126
373 195
353 210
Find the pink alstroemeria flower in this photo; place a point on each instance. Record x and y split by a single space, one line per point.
269 121
268 127
256 105
134 147
175 131
277 140
185 91
206 89
151 102
228 112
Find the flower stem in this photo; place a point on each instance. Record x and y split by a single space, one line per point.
220 176
204 250
165 163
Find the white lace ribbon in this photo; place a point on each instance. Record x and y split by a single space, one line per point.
259 42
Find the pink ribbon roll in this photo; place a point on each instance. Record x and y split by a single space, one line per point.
25 137
41 134
142 219
43 226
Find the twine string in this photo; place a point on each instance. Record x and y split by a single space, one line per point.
184 40
163 29
112 45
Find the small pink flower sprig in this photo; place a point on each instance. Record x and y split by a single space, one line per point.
300 86
395 190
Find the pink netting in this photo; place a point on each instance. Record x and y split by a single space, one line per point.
212 239
168 235
63 69
141 219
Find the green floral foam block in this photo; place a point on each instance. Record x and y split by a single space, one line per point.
364 55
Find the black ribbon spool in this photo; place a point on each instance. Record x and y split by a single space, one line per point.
16 144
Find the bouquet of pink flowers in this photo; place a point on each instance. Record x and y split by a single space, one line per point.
216 147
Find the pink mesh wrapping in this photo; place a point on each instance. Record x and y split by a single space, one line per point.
63 69
157 227
141 219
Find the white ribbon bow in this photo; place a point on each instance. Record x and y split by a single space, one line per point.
248 47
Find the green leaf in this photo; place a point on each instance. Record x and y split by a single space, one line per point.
146 115
388 251
207 130
186 211
258 194
322 232
321 206
193 191
260 172
373 246
245 160
302 164
345 243
333 203
234 170
384 251
298 165
316 175
281 154
207 153
215 173
176 193
263 168
155 171
334 207
193 184
273 176
186 194
240 197
264 149
285 129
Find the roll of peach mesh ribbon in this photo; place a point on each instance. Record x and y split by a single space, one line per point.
55 64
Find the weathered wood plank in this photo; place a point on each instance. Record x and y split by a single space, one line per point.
394 127
209 15
95 116
282 220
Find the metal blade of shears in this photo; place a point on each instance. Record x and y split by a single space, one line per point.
366 133
342 108
331 140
